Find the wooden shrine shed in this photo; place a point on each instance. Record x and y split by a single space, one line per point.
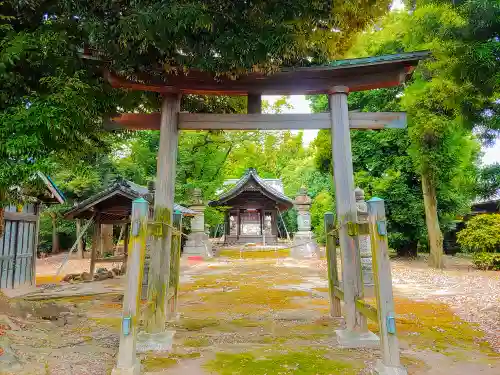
255 206
19 241
113 206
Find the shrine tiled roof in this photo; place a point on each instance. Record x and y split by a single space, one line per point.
126 189
251 174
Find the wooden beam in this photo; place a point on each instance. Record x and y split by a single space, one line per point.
20 216
96 243
331 260
207 121
110 260
254 104
367 310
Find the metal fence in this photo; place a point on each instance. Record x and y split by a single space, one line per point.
18 246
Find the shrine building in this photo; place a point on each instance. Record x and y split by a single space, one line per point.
255 206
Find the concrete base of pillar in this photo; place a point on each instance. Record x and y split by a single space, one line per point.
174 317
304 246
198 244
134 370
381 369
349 339
155 342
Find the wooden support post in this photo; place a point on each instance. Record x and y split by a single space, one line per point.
346 208
35 245
254 104
79 245
159 266
331 260
128 364
390 363
238 223
107 240
175 267
227 225
96 243
126 239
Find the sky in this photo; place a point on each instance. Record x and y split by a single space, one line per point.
301 105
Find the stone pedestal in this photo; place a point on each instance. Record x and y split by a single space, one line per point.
304 244
365 249
198 242
352 339
134 370
381 369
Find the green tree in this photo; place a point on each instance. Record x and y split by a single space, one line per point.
489 181
51 102
481 234
452 93
321 204
218 36
384 167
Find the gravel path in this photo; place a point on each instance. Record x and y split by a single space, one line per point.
473 295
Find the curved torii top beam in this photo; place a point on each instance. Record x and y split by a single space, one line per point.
356 74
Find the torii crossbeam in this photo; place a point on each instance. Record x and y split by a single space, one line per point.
336 79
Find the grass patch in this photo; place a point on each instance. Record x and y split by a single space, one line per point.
240 299
114 323
48 279
297 363
413 364
198 342
434 326
255 254
247 323
155 363
197 324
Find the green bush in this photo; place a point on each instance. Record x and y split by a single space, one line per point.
482 234
487 261
322 204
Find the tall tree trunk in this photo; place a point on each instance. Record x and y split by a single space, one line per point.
431 219
55 235
79 245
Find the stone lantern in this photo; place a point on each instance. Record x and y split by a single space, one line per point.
198 242
304 244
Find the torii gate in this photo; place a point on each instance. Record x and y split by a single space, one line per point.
336 79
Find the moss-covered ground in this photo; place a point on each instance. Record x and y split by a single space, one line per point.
260 316
257 316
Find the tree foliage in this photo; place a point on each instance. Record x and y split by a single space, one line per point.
452 93
488 185
321 204
482 234
218 36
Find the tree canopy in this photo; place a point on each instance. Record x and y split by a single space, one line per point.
451 94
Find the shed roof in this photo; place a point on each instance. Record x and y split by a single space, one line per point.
357 74
115 203
252 180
